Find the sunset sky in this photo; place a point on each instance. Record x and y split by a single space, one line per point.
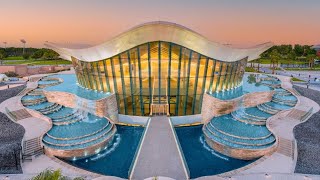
242 22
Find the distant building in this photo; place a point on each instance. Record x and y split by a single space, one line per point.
317 48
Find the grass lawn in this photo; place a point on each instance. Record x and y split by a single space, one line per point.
13 58
283 61
250 69
297 80
38 62
302 69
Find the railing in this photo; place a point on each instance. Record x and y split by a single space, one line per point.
31 147
10 114
180 150
304 117
134 160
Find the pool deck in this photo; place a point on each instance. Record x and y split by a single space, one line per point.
159 154
283 161
36 127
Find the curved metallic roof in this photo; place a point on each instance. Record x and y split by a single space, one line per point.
161 31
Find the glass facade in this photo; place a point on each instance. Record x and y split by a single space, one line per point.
159 73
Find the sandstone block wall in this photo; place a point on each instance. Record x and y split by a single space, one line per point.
254 99
69 154
245 154
212 107
106 107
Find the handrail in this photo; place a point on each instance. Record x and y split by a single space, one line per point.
10 114
304 117
134 160
184 163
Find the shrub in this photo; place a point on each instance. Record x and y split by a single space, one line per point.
26 56
11 74
296 79
250 69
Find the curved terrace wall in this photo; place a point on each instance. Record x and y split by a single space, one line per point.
69 154
212 107
106 107
245 154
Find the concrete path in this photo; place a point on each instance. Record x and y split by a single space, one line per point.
283 161
159 154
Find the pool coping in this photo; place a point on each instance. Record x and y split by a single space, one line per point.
262 159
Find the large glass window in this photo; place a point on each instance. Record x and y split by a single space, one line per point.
159 72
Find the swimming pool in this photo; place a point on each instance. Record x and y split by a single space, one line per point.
200 158
70 85
114 161
249 85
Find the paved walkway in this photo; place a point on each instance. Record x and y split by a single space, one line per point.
283 161
159 154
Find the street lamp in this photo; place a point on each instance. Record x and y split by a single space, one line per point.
24 44
5 45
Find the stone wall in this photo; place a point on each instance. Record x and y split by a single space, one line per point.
24 70
212 107
256 98
106 107
245 154
80 153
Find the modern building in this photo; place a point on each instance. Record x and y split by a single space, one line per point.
160 67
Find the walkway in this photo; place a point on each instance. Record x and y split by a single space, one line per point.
282 161
159 154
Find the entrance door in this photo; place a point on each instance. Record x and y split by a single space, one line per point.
159 104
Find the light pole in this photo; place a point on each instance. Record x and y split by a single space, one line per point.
5 45
24 44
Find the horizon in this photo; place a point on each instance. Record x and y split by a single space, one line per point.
90 23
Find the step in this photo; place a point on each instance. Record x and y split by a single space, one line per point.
58 142
277 106
254 111
233 145
86 144
68 120
253 142
41 105
241 116
229 126
284 103
62 113
268 107
51 109
78 129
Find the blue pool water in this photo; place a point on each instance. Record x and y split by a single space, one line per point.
80 128
201 160
70 85
117 162
227 124
249 85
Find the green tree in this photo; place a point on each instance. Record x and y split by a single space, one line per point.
53 175
274 57
26 56
49 54
299 50
3 54
311 58
291 57
37 54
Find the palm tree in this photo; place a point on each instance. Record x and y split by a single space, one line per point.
258 61
53 175
292 56
311 58
274 56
